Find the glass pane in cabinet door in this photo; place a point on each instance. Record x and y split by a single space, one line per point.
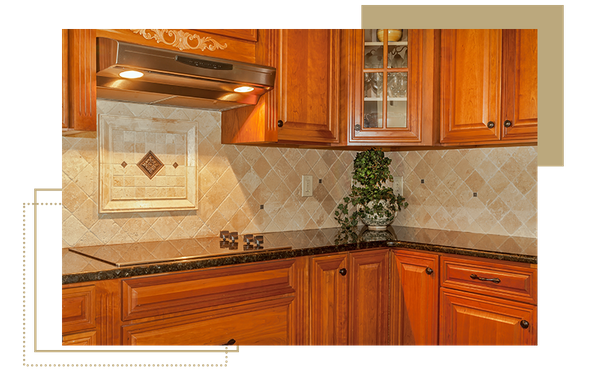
398 48
397 86
373 86
373 114
373 50
396 114
373 100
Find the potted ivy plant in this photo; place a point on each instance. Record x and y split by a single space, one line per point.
370 200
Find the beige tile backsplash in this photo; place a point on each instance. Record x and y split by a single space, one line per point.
234 181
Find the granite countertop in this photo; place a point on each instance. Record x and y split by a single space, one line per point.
105 262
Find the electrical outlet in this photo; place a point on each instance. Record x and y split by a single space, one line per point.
307 186
398 185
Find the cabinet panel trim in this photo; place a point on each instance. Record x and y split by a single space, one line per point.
165 294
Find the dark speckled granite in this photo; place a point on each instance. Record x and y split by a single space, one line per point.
135 259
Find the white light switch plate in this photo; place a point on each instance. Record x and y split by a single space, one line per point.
307 186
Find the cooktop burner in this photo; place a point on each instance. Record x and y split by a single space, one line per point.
131 254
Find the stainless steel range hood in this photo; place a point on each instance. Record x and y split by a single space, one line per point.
177 79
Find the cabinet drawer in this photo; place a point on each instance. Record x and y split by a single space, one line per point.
205 289
494 278
263 323
78 309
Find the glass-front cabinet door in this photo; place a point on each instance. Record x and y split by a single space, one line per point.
393 87
385 81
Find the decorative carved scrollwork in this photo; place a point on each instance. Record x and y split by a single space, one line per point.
180 39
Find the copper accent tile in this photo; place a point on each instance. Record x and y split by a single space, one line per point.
123 164
175 165
150 164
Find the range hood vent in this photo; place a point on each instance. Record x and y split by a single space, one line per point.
177 79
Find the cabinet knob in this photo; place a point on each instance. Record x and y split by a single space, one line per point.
428 271
280 123
343 272
524 324
507 124
491 124
230 342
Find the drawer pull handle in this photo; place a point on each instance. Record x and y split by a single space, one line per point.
524 324
230 342
428 271
343 272
494 280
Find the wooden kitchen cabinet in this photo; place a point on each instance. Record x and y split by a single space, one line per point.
488 87
78 81
414 290
368 293
260 323
388 88
487 302
303 108
329 300
308 91
349 304
91 313
520 81
254 304
474 319
351 298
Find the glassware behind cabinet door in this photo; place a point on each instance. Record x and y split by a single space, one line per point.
397 84
368 82
377 84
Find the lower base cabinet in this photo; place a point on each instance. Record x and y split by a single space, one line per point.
367 297
265 323
414 298
472 319
487 302
349 298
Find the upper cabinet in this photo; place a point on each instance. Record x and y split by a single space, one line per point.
520 81
78 81
488 92
349 88
308 86
304 106
388 78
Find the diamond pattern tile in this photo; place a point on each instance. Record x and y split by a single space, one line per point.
235 180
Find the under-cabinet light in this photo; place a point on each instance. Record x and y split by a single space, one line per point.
243 89
131 74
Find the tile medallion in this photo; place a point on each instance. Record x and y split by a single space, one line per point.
151 165
147 164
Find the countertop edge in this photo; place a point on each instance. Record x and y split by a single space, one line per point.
194 264
520 258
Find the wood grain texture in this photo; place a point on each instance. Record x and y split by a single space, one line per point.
83 338
79 309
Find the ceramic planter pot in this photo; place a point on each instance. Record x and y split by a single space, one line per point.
379 221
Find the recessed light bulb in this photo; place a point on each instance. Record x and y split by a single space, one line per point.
243 89
131 74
